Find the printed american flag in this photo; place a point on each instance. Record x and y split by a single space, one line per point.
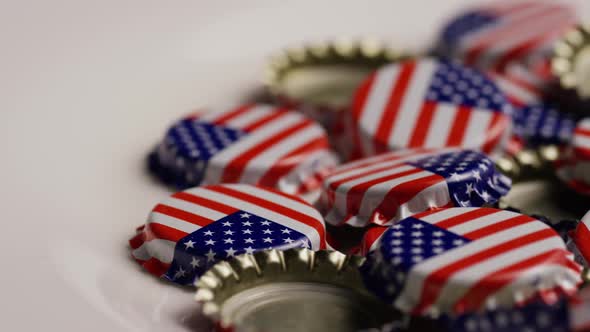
254 144
429 103
389 187
503 32
573 167
542 124
457 259
193 229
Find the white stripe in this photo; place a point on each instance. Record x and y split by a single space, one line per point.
277 199
436 195
251 116
340 207
179 224
162 250
217 164
462 281
445 214
476 130
374 159
581 141
440 127
375 194
412 291
212 116
376 103
481 222
193 208
308 231
263 162
584 124
411 104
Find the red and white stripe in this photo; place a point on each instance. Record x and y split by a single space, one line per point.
390 112
186 212
278 141
518 89
522 28
581 238
371 239
363 192
508 252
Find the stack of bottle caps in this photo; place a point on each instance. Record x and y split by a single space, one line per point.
371 194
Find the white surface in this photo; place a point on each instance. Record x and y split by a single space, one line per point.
86 88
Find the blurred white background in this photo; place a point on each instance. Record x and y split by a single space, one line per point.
86 88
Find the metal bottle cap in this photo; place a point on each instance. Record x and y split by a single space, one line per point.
293 290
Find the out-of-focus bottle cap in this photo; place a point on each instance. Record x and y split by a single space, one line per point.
293 290
429 103
255 144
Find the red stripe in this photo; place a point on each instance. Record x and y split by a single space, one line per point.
232 114
183 215
291 160
437 280
582 131
370 237
496 128
389 114
402 193
137 240
582 240
355 194
233 171
479 293
293 214
517 52
213 205
160 231
382 158
422 124
465 217
274 114
458 129
154 266
498 226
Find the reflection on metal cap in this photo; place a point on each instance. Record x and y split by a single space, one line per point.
293 290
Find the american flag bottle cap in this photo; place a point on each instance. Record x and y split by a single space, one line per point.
292 290
567 315
255 144
457 260
497 34
429 103
573 168
392 186
191 230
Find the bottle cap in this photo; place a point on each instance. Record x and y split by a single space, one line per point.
191 230
293 290
429 103
573 168
570 65
457 260
392 186
319 79
255 144
497 34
